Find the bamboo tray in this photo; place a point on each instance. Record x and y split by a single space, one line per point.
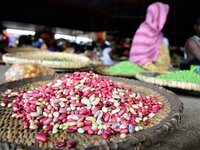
21 49
49 59
100 70
150 77
1 62
13 136
71 70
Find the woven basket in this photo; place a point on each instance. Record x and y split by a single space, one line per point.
1 62
100 70
75 60
13 136
71 70
151 78
21 49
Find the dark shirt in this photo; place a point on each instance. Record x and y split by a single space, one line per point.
192 50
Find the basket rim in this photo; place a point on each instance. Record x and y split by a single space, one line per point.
21 49
20 57
169 83
147 136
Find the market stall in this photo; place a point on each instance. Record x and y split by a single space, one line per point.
107 92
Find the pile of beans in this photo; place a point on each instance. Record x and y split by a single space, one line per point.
84 103
182 76
124 67
6 97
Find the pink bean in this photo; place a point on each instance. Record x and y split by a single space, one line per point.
105 135
71 144
47 111
48 128
86 94
59 122
42 137
43 106
124 131
117 129
83 111
71 120
62 110
26 124
87 123
96 109
160 105
47 99
90 131
39 117
106 117
73 128
5 101
112 107
20 115
61 117
70 130
47 121
113 119
72 112
121 112
145 123
80 124
60 144
14 105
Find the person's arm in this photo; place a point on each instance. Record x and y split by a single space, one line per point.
194 49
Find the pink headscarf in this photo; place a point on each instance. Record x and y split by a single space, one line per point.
148 37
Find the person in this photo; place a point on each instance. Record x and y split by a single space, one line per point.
192 46
108 51
4 39
44 37
106 59
25 41
149 48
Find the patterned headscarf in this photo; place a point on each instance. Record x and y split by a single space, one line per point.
148 37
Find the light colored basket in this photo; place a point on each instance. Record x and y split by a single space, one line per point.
21 49
151 78
75 60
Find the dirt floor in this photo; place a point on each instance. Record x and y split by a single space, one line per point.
185 137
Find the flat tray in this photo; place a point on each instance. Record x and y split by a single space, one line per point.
68 70
21 49
2 63
13 136
151 78
46 58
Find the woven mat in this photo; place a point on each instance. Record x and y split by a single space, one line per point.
21 49
1 62
12 134
72 60
71 70
151 78
100 70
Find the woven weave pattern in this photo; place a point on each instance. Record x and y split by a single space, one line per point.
71 60
151 78
11 129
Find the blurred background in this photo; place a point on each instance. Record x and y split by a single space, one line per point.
80 25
